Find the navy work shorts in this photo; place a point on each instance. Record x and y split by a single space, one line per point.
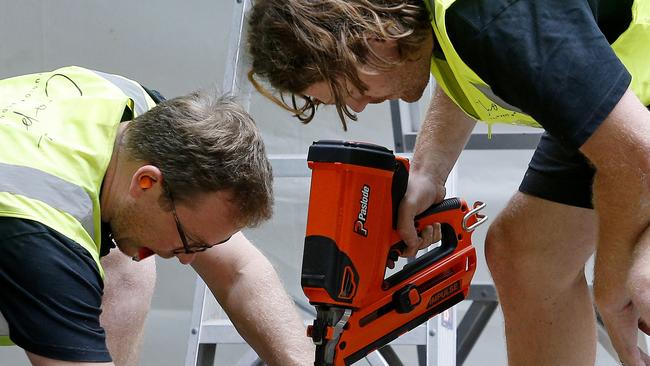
559 173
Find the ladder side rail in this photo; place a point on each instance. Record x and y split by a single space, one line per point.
233 84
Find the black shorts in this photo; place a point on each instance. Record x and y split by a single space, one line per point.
50 293
559 173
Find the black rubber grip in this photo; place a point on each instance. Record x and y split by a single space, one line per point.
446 205
449 242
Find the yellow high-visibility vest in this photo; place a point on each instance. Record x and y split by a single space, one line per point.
57 131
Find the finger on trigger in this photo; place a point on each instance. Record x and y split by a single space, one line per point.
426 237
410 238
437 232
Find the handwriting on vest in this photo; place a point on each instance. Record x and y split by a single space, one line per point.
25 111
494 111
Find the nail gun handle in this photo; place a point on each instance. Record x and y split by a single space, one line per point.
449 242
446 205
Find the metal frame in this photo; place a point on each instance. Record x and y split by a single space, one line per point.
200 351
405 132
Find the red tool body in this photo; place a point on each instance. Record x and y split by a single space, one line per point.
355 191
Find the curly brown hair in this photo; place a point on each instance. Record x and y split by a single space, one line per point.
296 43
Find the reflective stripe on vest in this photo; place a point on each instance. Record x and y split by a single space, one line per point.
50 189
129 88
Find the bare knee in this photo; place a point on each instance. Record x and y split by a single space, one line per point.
501 252
535 243
517 271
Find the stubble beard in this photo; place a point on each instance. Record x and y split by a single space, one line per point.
123 224
414 83
414 91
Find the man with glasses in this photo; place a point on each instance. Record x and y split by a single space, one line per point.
187 248
88 162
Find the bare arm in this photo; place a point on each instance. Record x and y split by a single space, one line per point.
444 133
248 288
620 151
128 288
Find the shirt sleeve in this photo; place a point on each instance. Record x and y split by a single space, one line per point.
549 58
50 293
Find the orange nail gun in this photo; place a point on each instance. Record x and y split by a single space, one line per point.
355 192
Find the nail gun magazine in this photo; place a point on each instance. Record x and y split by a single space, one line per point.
351 235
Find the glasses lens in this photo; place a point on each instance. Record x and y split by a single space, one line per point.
190 250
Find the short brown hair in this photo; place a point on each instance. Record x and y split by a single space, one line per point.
296 43
204 142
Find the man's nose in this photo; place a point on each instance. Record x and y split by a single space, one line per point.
358 105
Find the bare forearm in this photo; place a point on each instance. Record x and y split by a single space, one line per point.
443 136
277 332
620 225
639 277
619 149
248 288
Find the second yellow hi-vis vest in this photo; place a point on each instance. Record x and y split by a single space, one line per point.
57 131
476 98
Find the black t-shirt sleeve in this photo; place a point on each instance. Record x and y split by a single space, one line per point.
50 293
549 58
155 95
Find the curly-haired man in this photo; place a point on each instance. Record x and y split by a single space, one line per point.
576 68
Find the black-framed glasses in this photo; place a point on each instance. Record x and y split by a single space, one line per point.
187 249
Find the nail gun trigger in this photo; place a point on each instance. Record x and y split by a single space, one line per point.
396 250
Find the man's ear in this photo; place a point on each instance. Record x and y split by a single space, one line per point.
145 178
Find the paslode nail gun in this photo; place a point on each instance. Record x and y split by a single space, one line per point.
355 191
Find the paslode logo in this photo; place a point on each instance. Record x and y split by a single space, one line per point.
360 223
443 294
